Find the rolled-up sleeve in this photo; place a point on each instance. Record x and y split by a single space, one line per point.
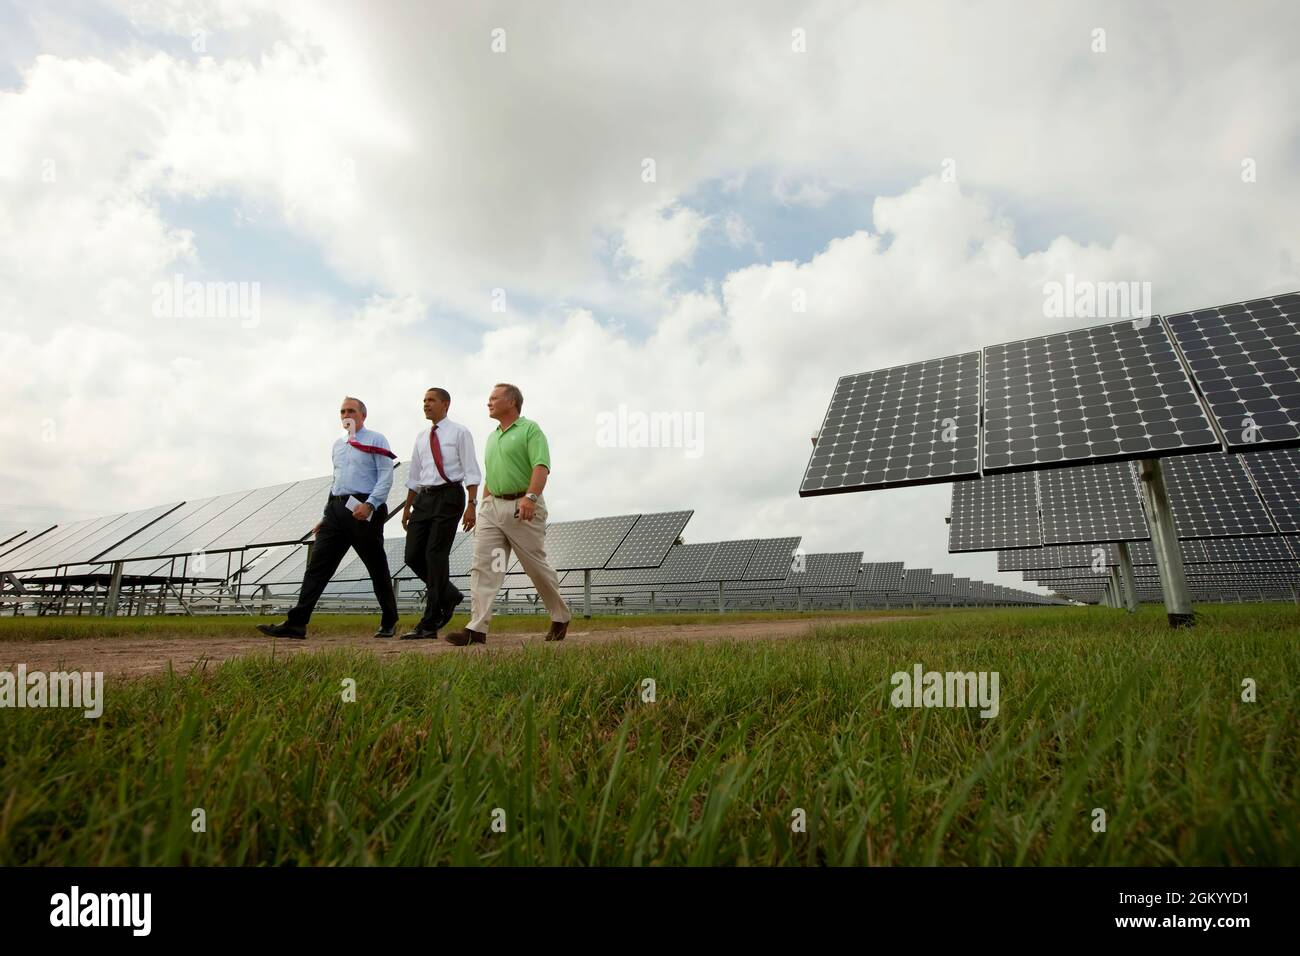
468 460
384 476
411 469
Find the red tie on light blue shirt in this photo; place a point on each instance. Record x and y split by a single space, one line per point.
435 446
370 449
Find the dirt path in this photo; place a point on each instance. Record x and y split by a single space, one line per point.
134 657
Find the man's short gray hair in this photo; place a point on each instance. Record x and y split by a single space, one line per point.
360 404
513 393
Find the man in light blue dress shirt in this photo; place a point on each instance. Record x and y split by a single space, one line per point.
354 518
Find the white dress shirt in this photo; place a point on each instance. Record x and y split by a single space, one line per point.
457 457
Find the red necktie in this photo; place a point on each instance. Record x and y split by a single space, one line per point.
435 446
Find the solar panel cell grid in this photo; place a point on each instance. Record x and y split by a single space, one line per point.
996 512
730 560
916 581
202 536
772 559
155 541
1277 477
1091 503
295 523
1210 495
905 425
585 544
1109 392
35 553
828 570
649 540
1246 359
881 577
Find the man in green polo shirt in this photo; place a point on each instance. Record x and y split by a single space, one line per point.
513 518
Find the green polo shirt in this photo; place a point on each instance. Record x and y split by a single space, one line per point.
512 455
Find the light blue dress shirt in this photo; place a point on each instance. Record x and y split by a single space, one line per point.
360 473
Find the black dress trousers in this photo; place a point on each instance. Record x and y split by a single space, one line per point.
338 532
430 534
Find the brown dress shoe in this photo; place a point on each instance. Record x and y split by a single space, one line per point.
461 638
557 631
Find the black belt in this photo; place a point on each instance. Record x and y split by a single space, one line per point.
512 497
430 489
351 494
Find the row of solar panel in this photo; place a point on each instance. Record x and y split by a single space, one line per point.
1112 392
1211 495
257 518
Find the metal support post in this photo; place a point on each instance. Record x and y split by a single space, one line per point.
1164 543
1129 577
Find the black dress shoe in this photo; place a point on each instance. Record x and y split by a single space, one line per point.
420 634
283 629
388 631
451 611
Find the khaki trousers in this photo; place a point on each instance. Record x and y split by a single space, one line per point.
497 533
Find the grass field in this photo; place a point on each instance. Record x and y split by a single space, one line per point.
1098 710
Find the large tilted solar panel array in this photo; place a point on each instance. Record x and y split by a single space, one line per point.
1110 392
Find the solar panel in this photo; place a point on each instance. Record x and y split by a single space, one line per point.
23 540
996 512
156 540
771 559
249 530
730 560
1236 550
1211 495
881 577
584 544
1277 478
829 570
30 554
941 585
649 540
1091 503
123 529
461 556
1246 359
916 581
1106 393
289 570
906 425
304 507
683 563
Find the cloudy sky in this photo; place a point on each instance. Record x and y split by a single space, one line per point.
610 209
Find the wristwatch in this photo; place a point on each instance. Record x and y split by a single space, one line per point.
531 497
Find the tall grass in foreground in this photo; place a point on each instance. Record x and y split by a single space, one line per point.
1098 710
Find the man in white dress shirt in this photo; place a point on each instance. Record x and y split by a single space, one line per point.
443 472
